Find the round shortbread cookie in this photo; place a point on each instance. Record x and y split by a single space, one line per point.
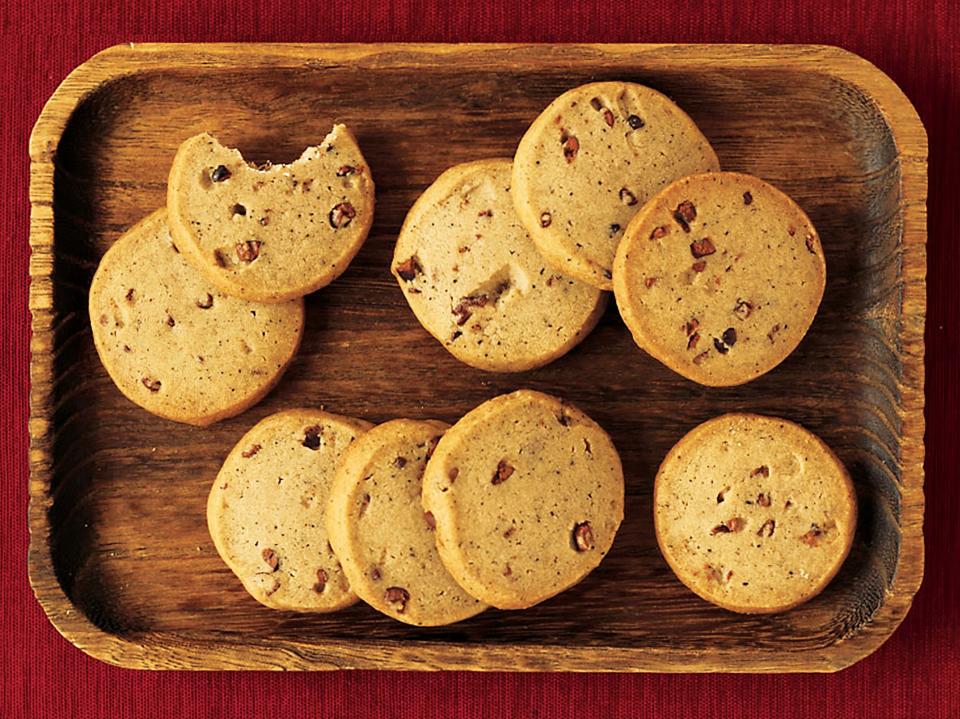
381 534
477 283
173 343
589 162
755 514
267 510
527 495
719 277
273 232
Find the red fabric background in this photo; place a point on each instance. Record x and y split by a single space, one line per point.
915 674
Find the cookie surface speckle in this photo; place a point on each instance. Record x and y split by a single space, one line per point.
382 535
266 511
176 345
273 232
719 277
477 283
755 514
527 494
589 162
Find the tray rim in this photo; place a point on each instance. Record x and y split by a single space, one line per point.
210 651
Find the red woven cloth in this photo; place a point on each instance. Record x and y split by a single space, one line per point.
915 674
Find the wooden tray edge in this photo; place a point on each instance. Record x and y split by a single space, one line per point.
168 650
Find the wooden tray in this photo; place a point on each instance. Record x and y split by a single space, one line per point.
120 558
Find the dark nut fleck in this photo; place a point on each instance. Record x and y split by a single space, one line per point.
608 117
571 146
503 473
791 230
432 446
206 303
375 574
397 596
220 174
264 221
341 215
808 241
595 103
151 384
248 251
699 266
452 474
364 503
701 357
721 495
771 335
409 269
658 232
747 198
239 209
248 453
761 471
271 558
507 571
545 219
719 346
763 499
219 259
345 170
485 213
614 229
431 520
729 336
692 326
627 197
692 342
702 248
130 294
170 321
649 282
635 122
743 309
767 528
311 437
583 537
400 462
463 310
685 214
321 581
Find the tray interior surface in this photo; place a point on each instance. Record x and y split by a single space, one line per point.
128 542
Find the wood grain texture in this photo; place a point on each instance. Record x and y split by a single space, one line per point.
119 556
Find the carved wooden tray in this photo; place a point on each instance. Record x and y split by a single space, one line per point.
120 558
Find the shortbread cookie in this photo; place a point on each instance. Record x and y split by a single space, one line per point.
381 534
590 161
719 277
753 513
527 494
173 343
272 232
476 282
267 510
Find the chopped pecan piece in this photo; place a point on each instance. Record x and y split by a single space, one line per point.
692 341
375 574
763 499
761 471
701 357
206 302
397 596
321 581
239 209
341 215
649 282
503 473
747 198
220 173
571 146
311 437
702 248
658 232
271 558
699 266
735 524
719 346
400 462
463 311
608 117
808 241
431 446
248 453
545 219
151 384
627 197
685 214
812 536
743 309
345 170
430 520
452 474
583 537
771 335
767 528
248 251
729 336
409 269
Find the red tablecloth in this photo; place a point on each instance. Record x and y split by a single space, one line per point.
915 674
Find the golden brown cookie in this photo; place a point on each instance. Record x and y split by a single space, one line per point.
267 510
719 277
176 345
589 162
274 232
753 513
382 536
527 494
477 283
